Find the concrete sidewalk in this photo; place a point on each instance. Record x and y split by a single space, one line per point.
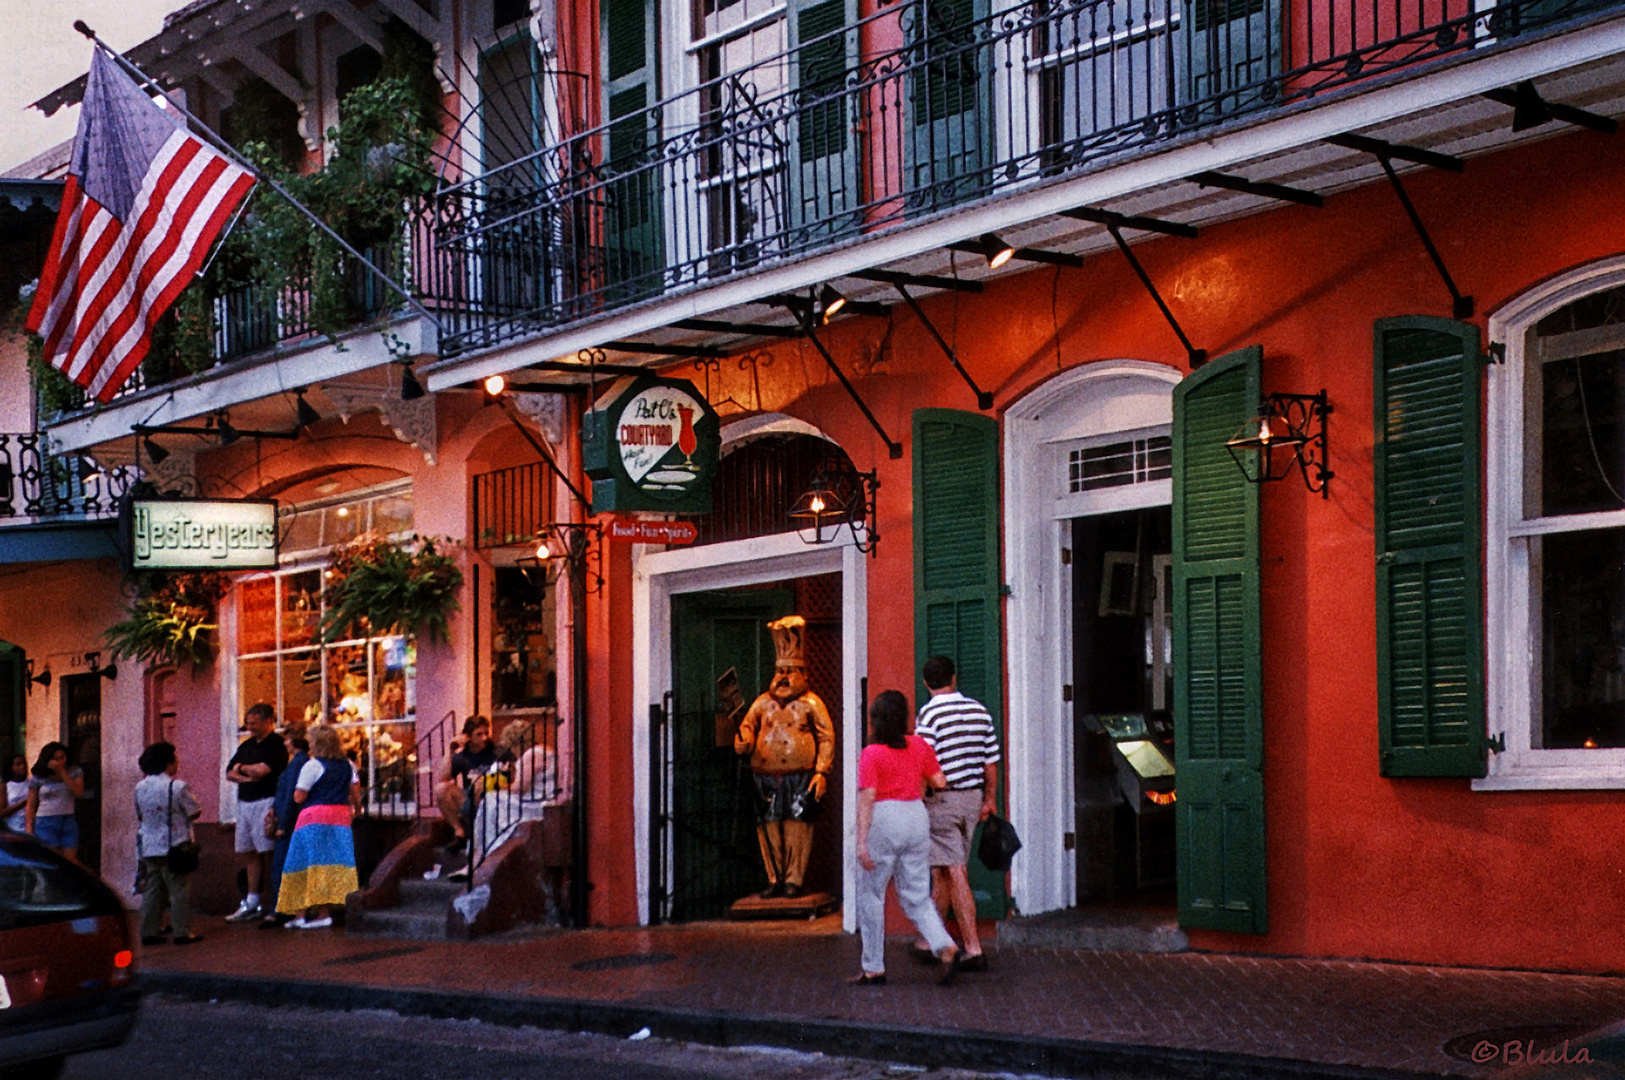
1047 1011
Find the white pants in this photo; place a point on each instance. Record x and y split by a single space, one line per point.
900 845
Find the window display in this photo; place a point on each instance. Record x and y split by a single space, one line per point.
523 660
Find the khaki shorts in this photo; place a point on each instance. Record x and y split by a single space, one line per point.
251 835
953 817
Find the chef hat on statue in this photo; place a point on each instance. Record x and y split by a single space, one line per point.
790 641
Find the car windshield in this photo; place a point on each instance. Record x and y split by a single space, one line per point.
38 887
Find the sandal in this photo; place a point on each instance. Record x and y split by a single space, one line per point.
866 979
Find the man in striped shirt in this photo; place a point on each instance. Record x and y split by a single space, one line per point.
960 731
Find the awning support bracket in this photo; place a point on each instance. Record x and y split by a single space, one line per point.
1461 307
893 449
1197 357
984 398
541 448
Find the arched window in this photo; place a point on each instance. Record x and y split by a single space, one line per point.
759 481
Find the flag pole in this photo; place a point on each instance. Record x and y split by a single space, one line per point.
258 174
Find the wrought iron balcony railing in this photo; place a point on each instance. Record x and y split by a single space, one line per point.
925 105
38 485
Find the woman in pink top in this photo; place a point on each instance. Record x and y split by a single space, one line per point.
894 837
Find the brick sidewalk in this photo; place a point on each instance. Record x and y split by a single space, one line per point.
1388 1018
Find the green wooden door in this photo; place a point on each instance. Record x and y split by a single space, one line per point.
823 171
950 134
715 857
1430 616
13 718
634 243
957 582
1218 707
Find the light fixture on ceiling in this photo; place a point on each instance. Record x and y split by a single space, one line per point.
996 251
494 385
225 431
155 450
306 412
829 302
411 389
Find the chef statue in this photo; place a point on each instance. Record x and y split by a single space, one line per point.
791 742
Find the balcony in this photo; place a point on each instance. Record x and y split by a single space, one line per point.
917 113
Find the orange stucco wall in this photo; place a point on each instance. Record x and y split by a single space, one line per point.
1359 866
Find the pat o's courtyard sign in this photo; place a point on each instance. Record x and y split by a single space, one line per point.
200 534
651 444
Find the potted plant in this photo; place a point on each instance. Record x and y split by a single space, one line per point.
171 622
375 586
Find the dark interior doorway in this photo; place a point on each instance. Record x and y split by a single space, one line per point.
1123 698
13 717
82 732
712 825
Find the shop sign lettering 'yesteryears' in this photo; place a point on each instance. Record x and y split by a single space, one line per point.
201 534
651 444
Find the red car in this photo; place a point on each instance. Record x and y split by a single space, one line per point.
67 972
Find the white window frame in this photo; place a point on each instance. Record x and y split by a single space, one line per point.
1512 642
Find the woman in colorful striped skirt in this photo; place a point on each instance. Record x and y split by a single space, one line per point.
320 869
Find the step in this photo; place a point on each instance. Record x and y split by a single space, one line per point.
407 925
1097 929
416 892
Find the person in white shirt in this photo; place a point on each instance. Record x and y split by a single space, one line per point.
15 810
165 809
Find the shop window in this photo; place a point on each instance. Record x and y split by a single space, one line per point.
1557 567
364 686
523 655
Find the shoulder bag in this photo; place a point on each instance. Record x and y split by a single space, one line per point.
183 857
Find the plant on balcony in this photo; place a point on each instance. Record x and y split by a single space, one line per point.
171 622
376 587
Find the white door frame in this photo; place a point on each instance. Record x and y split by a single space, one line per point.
657 576
1108 397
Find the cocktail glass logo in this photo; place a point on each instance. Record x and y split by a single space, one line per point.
657 440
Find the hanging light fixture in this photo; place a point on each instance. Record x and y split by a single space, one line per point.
493 385
996 251
411 389
155 451
1288 433
837 498
306 412
226 432
829 302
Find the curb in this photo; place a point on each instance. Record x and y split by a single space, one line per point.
931 1048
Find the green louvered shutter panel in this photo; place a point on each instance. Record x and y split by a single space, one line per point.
956 576
1218 697
634 248
824 173
1430 616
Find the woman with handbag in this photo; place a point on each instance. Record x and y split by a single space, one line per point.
165 809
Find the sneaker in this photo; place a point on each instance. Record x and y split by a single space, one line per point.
244 913
303 923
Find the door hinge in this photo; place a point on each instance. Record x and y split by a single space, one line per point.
1066 556
1497 353
1497 743
1069 841
1066 691
1005 590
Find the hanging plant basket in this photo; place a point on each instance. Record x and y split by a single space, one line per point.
172 621
377 587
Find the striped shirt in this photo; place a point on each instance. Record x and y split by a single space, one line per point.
961 733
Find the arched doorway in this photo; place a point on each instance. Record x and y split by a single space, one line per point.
1087 530
706 654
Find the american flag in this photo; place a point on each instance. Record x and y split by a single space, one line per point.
144 202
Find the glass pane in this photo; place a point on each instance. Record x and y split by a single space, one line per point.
301 687
343 524
301 608
1582 445
392 514
256 684
522 652
1582 604
302 532
389 679
256 625
390 778
350 690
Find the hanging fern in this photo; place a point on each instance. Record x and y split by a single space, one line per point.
171 622
376 587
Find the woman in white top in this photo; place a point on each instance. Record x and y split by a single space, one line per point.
52 788
165 809
15 810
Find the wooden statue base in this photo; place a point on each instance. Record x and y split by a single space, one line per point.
806 906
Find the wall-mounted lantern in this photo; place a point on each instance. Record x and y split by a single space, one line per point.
1289 433
834 499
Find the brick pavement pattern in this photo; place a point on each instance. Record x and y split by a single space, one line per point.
1331 1012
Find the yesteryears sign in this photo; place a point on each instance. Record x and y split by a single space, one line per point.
201 534
641 531
651 444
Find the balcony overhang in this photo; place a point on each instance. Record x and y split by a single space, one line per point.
251 379
1439 106
55 541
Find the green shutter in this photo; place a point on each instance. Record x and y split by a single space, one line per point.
1430 618
823 175
949 149
1218 698
634 247
956 574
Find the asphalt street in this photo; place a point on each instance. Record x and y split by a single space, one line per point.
177 1040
